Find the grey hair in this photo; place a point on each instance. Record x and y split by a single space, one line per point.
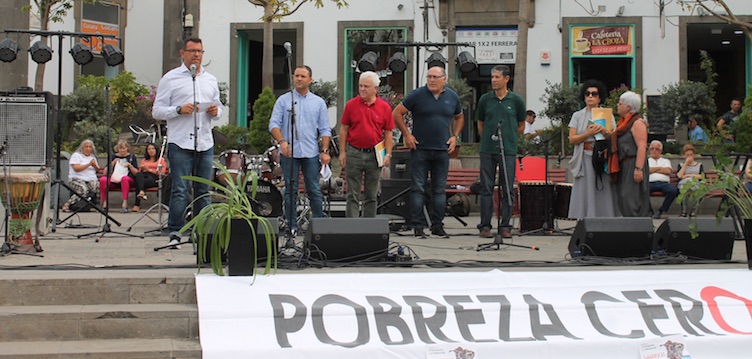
81 146
443 71
633 100
656 142
372 76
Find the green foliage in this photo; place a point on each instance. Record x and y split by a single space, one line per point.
52 10
96 130
733 188
613 98
259 128
469 149
238 138
707 65
463 90
124 93
680 101
282 8
561 102
212 226
327 90
530 147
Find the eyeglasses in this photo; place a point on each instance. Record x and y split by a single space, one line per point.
655 149
593 93
194 51
433 77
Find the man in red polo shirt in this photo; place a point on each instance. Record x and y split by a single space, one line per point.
366 121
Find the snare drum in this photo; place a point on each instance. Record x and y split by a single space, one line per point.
275 166
563 193
532 204
234 161
268 200
26 191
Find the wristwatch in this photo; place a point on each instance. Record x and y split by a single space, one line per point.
326 150
177 109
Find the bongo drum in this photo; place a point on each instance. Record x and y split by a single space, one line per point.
26 190
532 204
561 208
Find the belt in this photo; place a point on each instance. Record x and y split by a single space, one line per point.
588 145
369 149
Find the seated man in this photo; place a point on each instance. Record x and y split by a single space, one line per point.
660 180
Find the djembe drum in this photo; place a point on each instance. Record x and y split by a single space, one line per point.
24 192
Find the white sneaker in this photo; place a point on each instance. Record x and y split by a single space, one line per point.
174 240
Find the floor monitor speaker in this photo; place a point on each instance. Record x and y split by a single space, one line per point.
714 241
348 239
612 237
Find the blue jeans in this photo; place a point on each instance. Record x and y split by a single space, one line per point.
181 164
488 165
310 167
421 163
670 192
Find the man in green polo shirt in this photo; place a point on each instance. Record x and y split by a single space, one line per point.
501 111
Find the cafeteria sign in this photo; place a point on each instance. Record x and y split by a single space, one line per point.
602 40
99 28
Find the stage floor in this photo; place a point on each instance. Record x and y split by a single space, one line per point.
64 251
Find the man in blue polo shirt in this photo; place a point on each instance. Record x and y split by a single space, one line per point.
500 111
437 122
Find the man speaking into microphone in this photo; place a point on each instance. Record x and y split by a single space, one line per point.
499 113
188 99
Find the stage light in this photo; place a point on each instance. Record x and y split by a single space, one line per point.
40 52
81 54
112 55
368 61
466 62
398 62
436 59
8 50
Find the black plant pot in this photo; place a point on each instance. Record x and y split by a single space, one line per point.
241 251
748 240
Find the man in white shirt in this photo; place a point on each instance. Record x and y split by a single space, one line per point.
660 177
190 143
529 132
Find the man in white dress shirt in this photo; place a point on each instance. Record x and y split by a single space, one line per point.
190 143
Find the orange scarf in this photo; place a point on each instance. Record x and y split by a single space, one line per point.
624 125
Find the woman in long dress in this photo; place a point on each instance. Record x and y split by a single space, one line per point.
592 194
633 193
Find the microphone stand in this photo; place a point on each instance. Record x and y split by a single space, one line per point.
291 209
106 227
498 239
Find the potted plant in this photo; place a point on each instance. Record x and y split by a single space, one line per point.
735 191
229 225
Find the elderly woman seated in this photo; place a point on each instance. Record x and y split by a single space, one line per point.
82 173
124 169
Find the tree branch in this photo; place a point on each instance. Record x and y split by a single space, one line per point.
296 8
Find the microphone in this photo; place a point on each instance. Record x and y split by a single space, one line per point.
497 134
193 71
288 48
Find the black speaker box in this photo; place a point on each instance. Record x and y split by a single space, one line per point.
395 198
399 167
245 245
348 239
714 241
612 237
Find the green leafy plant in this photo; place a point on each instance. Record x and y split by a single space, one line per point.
232 204
124 92
463 90
680 101
561 102
237 137
259 138
327 90
727 182
613 98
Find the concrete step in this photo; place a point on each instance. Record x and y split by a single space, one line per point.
92 322
103 349
85 290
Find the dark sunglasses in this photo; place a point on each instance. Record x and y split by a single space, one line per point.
594 93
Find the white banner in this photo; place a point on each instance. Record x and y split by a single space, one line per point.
447 315
492 46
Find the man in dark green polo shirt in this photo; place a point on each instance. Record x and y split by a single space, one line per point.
501 111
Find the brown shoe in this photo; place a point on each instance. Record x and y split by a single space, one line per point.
505 233
485 233
135 209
